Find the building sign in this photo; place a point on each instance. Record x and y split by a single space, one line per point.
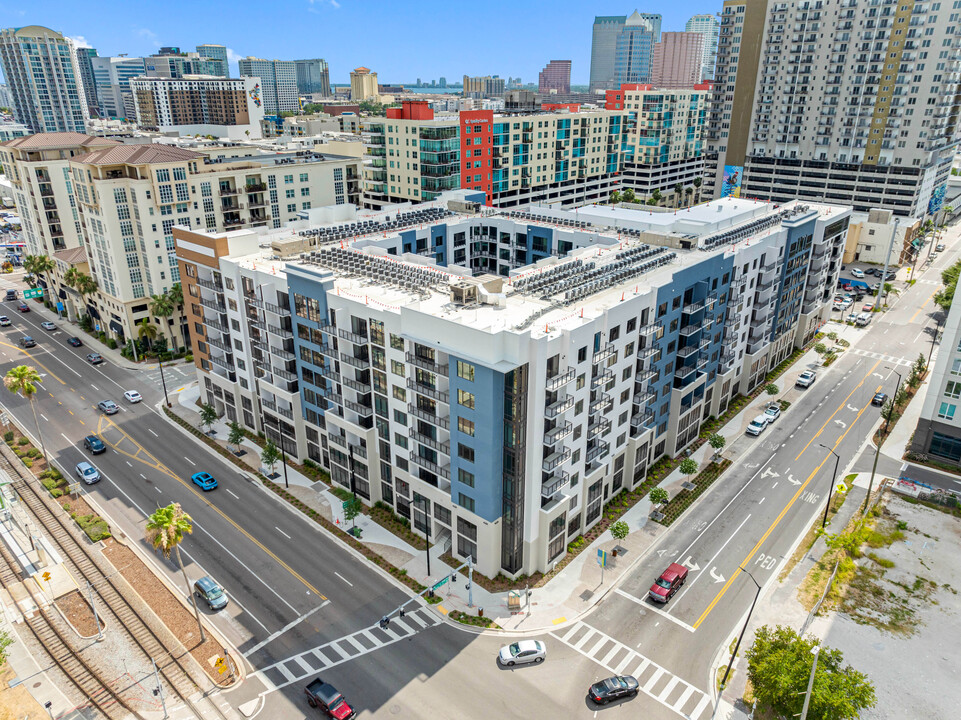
731 182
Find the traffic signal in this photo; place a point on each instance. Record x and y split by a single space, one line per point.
384 622
401 613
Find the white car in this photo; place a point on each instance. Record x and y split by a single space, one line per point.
47 325
805 379
773 412
523 651
757 425
857 273
4 320
133 396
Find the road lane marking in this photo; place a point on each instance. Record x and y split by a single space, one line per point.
285 628
343 578
916 312
759 502
128 463
44 417
94 387
710 563
282 533
653 608
843 403
157 489
152 433
778 519
190 461
232 493
143 476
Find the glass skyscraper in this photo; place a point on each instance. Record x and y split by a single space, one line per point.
622 47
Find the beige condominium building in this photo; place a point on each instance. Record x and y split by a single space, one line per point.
854 103
363 85
200 104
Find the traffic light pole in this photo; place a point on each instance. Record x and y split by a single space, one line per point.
400 609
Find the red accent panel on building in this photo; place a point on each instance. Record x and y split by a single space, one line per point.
412 110
476 133
706 85
554 107
614 99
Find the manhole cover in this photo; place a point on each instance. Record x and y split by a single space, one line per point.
656 516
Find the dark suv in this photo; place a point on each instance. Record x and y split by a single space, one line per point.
94 444
11 295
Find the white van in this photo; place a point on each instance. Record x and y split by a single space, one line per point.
862 319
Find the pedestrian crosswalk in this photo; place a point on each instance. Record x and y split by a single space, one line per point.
885 358
618 659
349 647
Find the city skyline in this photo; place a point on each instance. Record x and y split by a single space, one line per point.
255 31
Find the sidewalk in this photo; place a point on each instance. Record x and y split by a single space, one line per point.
573 590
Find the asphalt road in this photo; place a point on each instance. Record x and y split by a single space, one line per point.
286 590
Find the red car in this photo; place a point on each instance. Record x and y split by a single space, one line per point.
325 696
668 583
23 307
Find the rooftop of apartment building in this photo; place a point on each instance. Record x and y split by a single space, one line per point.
615 253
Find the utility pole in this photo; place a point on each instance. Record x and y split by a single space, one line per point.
94 608
740 637
887 257
160 689
934 340
807 696
834 478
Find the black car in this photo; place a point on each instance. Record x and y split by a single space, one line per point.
94 444
878 400
325 696
614 688
27 341
94 358
75 341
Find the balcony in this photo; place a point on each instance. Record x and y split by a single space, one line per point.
210 285
358 362
226 191
645 398
563 404
273 407
352 336
222 362
691 308
604 353
430 442
254 302
689 330
597 450
280 332
213 305
649 329
357 385
598 428
644 375
439 395
215 325
646 352
442 470
684 372
555 484
558 381
362 410
255 187
686 351
440 421
552 436
601 379
602 404
338 440
555 459
426 363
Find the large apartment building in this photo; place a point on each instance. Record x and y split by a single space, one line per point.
856 104
709 28
199 105
277 85
497 377
40 68
112 76
557 157
664 144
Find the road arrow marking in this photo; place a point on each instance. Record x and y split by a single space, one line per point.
852 408
661 552
690 565
790 479
878 375
717 577
841 423
768 472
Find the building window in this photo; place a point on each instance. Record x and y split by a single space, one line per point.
465 370
466 502
397 368
465 426
466 452
946 411
465 477
953 390
465 398
946 446
396 342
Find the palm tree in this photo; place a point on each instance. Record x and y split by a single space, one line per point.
615 197
72 277
86 285
162 307
176 294
697 186
39 265
146 330
656 196
165 530
23 380
678 189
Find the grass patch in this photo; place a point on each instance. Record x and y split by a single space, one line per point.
685 498
850 478
883 562
813 533
466 619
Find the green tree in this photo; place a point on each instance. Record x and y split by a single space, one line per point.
717 442
5 642
771 389
176 294
146 332
165 530
688 466
71 277
620 530
86 285
352 509
678 190
236 435
39 265
656 196
779 665
820 348
208 416
628 195
615 197
270 455
658 496
949 277
162 307
887 411
23 380
920 365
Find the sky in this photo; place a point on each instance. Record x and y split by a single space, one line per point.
401 41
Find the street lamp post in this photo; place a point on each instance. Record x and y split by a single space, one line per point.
427 532
740 637
834 477
934 340
163 381
877 448
807 696
894 401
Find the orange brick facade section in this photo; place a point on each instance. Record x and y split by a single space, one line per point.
208 251
411 110
476 150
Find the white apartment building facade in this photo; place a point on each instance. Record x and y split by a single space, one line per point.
276 83
498 377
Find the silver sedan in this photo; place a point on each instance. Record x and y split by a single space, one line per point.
523 651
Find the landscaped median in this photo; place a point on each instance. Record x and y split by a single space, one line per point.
686 497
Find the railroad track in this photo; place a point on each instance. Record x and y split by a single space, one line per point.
87 679
120 613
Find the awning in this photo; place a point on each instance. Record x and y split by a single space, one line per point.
116 327
94 313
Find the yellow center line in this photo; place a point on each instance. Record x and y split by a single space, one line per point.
843 403
777 520
21 350
916 312
164 469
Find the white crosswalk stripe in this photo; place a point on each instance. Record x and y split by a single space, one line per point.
310 662
885 358
619 659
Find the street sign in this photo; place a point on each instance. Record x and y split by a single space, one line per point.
439 583
59 306
33 293
46 576
601 558
221 665
344 504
